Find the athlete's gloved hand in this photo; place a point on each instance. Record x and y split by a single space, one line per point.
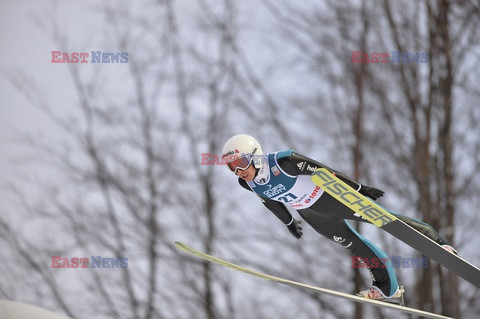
295 228
371 192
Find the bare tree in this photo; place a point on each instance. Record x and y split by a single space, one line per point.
129 178
424 114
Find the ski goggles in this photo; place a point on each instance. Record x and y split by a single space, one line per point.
241 163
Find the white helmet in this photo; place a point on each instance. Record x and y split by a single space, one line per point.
243 145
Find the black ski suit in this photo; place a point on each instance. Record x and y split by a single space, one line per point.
280 182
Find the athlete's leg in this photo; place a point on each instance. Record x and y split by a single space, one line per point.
329 206
340 231
422 227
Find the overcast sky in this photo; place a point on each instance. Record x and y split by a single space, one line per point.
25 47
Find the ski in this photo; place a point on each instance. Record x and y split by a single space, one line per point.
374 213
296 284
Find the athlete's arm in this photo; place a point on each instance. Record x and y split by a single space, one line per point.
297 164
279 210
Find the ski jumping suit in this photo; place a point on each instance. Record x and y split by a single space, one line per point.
285 179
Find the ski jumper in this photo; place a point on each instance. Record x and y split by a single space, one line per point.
285 179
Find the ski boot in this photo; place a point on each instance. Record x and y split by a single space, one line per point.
450 249
375 293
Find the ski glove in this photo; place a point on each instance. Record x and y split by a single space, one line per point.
295 228
373 193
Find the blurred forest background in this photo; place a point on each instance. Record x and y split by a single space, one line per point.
119 174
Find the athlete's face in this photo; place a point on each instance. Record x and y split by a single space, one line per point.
248 174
